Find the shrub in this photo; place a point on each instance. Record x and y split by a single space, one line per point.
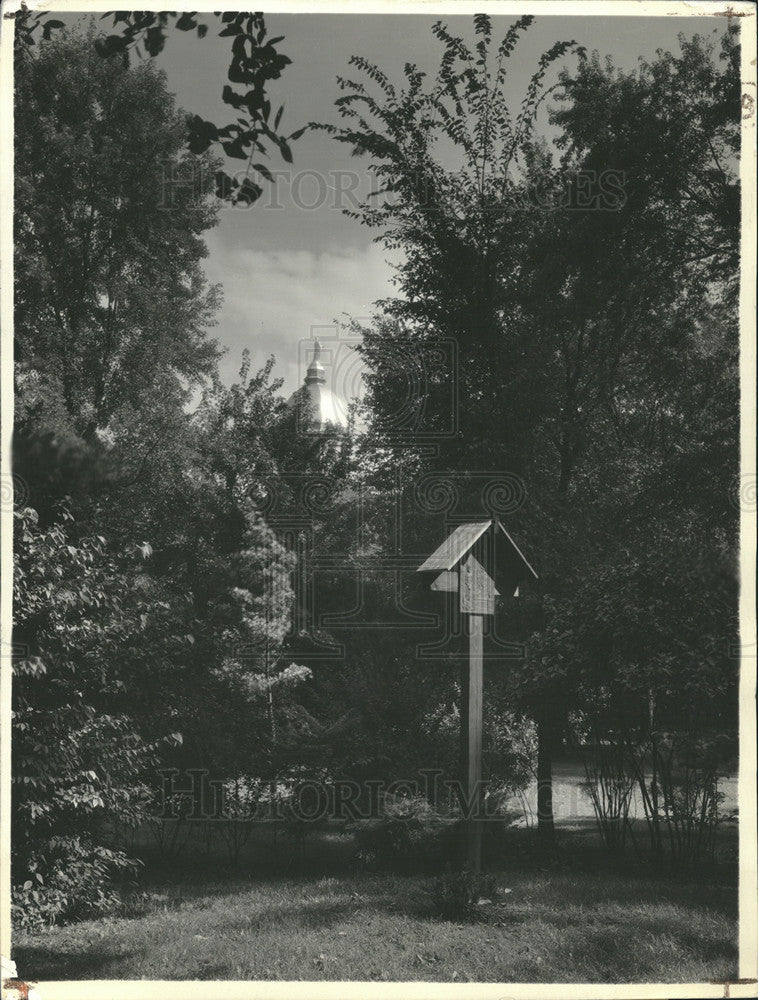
79 768
241 798
461 895
74 880
409 835
676 774
681 794
610 784
35 905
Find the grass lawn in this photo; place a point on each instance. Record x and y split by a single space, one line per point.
581 921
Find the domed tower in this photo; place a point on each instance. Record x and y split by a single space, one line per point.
320 408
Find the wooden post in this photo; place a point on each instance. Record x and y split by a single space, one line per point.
458 570
476 598
463 755
474 741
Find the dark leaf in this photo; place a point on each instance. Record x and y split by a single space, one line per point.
155 39
48 27
236 148
230 96
264 171
249 192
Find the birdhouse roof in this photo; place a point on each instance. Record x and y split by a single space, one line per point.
462 539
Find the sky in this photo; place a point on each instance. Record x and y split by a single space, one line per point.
293 263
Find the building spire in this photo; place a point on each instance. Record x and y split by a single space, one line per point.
315 372
319 406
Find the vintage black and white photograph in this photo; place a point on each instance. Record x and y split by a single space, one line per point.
378 498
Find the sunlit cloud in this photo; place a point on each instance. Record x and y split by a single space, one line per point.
274 300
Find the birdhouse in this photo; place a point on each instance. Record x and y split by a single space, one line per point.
478 561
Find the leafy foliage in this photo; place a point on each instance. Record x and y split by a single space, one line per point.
106 316
254 62
79 762
409 835
597 362
71 879
592 303
151 599
690 102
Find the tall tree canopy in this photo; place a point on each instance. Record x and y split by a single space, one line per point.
254 62
111 298
590 290
152 600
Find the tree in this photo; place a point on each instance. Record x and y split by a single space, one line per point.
255 61
154 601
641 302
80 762
111 300
465 231
579 297
691 103
462 229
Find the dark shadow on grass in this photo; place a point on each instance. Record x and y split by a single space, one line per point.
616 938
637 888
39 962
374 896
624 964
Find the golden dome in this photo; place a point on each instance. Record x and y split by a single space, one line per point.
320 406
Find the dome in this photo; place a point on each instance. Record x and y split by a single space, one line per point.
320 406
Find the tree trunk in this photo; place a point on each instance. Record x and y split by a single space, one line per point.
545 822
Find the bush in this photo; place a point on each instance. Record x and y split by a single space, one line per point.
462 895
610 785
676 774
35 905
75 880
410 835
79 768
241 798
681 795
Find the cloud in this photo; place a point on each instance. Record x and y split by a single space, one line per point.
273 301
